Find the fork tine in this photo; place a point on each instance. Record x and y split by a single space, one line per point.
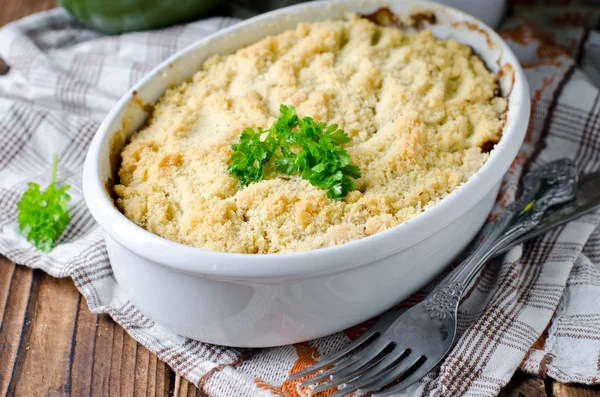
409 380
338 381
372 354
380 369
355 345
348 367
329 372
390 377
367 337
350 373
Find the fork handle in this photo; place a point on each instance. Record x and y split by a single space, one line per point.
549 185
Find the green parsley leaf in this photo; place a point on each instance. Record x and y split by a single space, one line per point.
250 155
298 147
43 216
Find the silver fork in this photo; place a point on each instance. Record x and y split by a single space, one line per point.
404 347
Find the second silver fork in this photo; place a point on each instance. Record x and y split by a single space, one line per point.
401 349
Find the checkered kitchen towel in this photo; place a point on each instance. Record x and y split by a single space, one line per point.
538 309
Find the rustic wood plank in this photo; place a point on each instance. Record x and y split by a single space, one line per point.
522 385
176 386
128 362
84 343
159 377
15 9
103 356
141 378
51 344
151 375
13 324
115 365
43 365
7 269
164 379
183 388
122 367
574 390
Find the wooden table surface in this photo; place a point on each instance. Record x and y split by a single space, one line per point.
51 345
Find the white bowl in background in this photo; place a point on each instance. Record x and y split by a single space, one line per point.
489 12
259 300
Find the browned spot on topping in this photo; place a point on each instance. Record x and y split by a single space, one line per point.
375 38
117 142
170 160
144 106
109 188
419 19
487 146
384 17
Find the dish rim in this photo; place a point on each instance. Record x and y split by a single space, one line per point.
302 264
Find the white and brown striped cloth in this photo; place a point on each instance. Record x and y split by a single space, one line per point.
537 310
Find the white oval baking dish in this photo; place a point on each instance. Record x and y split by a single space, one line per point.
266 300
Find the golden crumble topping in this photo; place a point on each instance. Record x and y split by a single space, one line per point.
418 110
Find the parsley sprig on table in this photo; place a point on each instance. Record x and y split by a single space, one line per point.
298 147
43 215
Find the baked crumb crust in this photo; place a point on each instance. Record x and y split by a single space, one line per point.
419 111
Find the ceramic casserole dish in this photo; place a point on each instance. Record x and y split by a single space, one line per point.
259 300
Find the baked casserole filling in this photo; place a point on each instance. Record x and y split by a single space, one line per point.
421 113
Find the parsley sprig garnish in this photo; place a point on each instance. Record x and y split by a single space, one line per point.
298 147
43 216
